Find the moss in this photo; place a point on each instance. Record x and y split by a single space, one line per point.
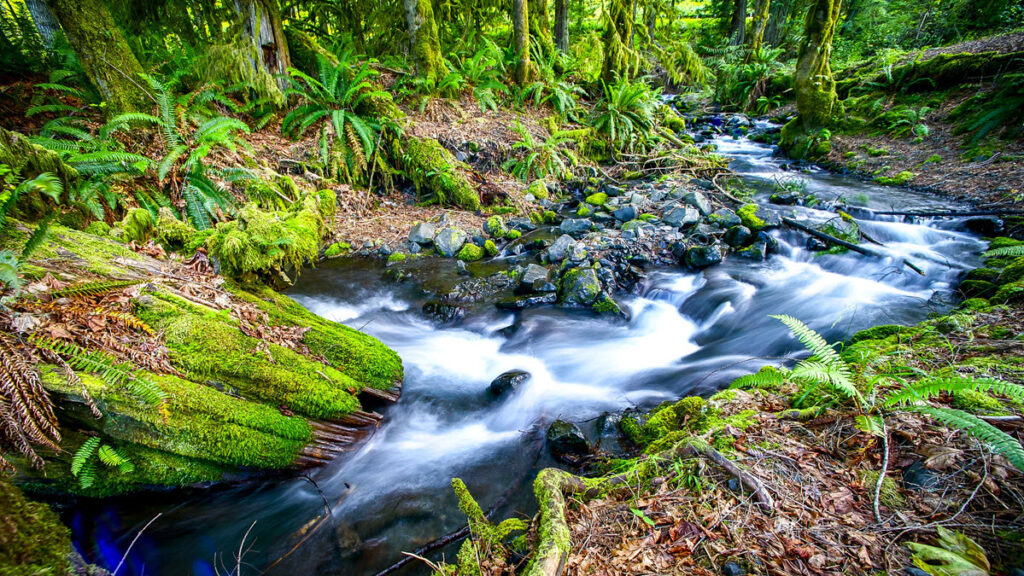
1009 294
396 257
748 215
539 189
425 47
337 249
32 539
205 344
138 225
171 232
1013 272
879 332
438 177
98 228
470 253
900 179
607 305
495 226
976 304
597 199
674 122
974 401
99 255
490 248
584 210
890 496
647 217
513 235
933 159
986 274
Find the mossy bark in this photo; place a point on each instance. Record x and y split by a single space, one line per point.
816 100
524 71
32 539
761 15
620 61
424 42
562 25
438 176
104 53
779 16
261 23
540 26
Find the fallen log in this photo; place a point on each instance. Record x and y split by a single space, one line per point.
840 242
952 213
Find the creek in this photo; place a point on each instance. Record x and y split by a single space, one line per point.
689 333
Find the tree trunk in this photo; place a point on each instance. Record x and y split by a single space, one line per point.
562 25
521 41
261 21
816 99
778 22
619 59
424 43
761 15
738 26
651 18
540 26
46 24
103 52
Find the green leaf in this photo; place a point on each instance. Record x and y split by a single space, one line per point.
639 514
83 454
991 437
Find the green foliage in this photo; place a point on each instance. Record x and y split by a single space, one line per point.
825 368
955 555
486 540
553 156
995 112
991 437
683 65
347 138
744 79
625 116
115 374
83 464
438 177
1015 251
92 288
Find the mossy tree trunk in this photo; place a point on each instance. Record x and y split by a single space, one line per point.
261 22
104 53
761 15
424 42
521 41
816 99
562 25
738 24
779 15
45 23
619 58
540 26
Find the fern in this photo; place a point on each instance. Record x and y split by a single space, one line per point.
993 438
825 366
110 457
92 288
115 375
760 379
1006 251
83 455
37 238
926 389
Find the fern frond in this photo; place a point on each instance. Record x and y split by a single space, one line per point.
83 454
993 438
110 458
26 412
114 374
92 288
125 319
37 238
925 389
760 379
1005 251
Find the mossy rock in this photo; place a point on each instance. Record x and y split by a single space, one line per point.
438 177
171 232
977 289
471 253
32 539
597 199
748 215
138 226
1013 272
879 333
539 189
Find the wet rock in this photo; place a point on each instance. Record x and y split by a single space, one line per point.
757 251
445 313
508 381
612 190
681 216
700 182
422 234
560 248
522 224
984 226
449 241
495 226
626 213
524 302
414 247
567 442
732 569
725 218
700 257
917 477
914 571
579 287
532 273
543 285
785 199
575 226
815 245
770 243
737 236
577 253
698 201
460 268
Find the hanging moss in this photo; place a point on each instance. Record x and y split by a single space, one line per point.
620 60
439 178
232 63
30 160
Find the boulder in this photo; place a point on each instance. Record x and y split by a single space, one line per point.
681 216
626 213
580 287
495 226
422 234
725 218
522 224
756 251
567 442
698 201
737 236
699 257
445 313
508 381
449 241
560 248
532 273
575 226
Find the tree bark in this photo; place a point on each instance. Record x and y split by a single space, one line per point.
521 41
816 99
104 53
46 24
738 26
761 15
425 45
778 22
562 25
261 21
540 26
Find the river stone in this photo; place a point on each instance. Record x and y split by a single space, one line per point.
626 213
445 313
771 244
732 569
560 248
532 273
508 381
737 236
985 226
700 257
579 286
495 226
577 253
725 218
521 224
524 302
681 216
816 245
422 234
449 241
567 442
917 477
757 251
698 201
575 226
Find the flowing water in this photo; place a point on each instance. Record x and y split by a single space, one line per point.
689 333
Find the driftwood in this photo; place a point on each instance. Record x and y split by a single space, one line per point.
840 242
552 486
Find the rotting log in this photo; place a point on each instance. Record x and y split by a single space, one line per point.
839 242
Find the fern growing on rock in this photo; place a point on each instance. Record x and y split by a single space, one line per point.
83 463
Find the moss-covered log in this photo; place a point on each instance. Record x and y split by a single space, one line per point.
438 176
938 73
104 53
424 42
32 539
816 99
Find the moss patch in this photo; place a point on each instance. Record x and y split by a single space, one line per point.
32 539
